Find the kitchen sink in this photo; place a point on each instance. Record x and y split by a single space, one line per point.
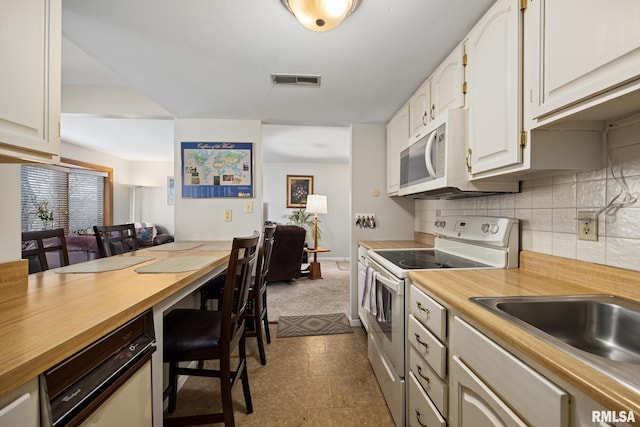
605 326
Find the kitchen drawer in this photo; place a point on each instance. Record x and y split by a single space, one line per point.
428 346
422 412
429 312
528 393
435 387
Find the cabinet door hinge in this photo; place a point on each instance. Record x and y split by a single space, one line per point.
464 60
464 88
59 132
523 139
524 4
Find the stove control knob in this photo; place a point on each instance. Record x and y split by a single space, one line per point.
485 228
493 228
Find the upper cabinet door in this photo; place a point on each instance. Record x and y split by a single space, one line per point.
420 110
30 39
397 140
494 88
581 48
447 83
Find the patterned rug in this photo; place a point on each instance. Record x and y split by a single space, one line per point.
317 324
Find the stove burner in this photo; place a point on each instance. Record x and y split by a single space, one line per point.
417 259
427 259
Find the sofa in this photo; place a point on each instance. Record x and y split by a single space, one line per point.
84 247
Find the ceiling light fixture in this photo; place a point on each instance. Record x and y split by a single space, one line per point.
320 15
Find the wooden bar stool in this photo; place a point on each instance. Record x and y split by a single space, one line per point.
197 335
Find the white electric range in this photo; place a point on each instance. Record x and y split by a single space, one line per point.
462 242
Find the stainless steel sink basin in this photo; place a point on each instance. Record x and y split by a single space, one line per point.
602 325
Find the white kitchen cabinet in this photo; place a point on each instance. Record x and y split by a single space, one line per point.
487 382
443 90
580 53
30 47
447 83
21 406
494 81
397 140
420 113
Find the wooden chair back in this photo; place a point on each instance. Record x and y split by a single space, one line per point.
115 239
37 244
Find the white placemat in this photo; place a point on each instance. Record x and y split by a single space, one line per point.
177 264
217 246
103 264
175 246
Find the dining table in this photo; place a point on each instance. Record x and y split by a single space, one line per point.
58 312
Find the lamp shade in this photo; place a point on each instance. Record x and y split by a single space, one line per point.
316 204
320 15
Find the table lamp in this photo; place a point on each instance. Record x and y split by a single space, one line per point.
316 204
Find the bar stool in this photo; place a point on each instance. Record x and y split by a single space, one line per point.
257 320
195 335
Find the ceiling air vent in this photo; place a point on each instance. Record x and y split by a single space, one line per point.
293 79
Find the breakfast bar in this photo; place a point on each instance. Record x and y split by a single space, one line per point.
54 314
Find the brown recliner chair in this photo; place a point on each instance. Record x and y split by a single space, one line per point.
286 256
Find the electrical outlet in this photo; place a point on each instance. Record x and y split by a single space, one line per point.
227 215
587 226
248 206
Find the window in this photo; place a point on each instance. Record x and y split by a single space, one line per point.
57 197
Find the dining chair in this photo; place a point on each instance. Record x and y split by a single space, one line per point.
115 239
196 335
36 245
257 318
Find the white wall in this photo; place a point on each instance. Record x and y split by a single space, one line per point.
203 219
330 179
547 208
150 187
394 216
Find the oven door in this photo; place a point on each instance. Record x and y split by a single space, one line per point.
388 326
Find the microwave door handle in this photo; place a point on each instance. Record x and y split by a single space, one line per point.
427 154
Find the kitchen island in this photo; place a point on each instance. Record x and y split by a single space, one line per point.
541 275
50 316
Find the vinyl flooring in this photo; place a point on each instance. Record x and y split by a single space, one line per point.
313 381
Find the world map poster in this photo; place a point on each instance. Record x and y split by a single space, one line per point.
217 169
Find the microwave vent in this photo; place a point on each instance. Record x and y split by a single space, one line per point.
295 79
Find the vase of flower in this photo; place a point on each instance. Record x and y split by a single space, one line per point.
45 214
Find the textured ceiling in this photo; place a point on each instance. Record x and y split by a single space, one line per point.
213 58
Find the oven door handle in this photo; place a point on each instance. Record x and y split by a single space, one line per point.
393 285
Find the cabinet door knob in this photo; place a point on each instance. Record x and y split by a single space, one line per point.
420 307
422 375
418 419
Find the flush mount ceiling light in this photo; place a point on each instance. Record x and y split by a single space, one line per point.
320 15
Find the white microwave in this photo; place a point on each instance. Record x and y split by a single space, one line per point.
434 166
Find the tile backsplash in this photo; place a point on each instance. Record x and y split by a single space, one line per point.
548 207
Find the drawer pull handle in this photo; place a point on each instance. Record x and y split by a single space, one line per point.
420 307
426 346
423 377
418 419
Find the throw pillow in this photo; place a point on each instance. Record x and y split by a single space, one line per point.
145 236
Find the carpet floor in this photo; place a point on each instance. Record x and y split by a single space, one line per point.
304 296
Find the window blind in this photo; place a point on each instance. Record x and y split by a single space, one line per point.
72 198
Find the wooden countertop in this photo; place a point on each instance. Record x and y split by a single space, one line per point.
56 315
540 275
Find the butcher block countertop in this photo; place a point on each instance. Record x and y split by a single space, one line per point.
539 275
48 316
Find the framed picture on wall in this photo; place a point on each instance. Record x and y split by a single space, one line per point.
171 187
298 188
217 169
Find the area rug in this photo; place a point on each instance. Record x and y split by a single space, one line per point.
316 324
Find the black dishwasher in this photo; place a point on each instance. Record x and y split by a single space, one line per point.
76 387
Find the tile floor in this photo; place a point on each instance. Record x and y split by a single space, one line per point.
322 381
